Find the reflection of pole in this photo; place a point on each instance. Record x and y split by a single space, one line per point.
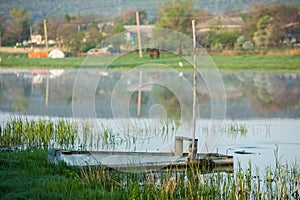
138 32
46 35
31 83
194 92
1 81
141 55
139 95
47 89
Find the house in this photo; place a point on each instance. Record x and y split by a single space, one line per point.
131 31
36 39
221 22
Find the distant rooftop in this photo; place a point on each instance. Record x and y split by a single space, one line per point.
221 22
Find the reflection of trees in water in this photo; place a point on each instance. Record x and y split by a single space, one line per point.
269 92
17 93
262 92
168 100
21 103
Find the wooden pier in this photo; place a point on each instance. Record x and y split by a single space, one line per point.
144 161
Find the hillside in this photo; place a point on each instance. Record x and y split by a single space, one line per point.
45 8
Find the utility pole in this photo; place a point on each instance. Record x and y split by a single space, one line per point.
141 55
46 35
138 32
31 44
194 92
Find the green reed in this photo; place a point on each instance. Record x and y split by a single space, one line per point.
66 134
191 183
39 133
236 129
28 173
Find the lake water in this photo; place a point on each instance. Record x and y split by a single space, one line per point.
262 109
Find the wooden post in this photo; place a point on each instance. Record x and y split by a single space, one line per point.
139 33
141 55
178 149
31 44
194 91
46 35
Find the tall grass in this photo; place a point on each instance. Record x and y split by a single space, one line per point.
66 134
41 134
191 183
28 175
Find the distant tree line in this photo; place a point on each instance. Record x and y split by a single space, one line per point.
263 26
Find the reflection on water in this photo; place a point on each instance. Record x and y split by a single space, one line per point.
265 104
248 94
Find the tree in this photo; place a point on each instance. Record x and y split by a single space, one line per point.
71 37
53 25
226 38
18 28
283 20
1 33
118 28
286 22
93 37
263 34
129 17
178 15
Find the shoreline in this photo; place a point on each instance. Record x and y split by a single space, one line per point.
266 62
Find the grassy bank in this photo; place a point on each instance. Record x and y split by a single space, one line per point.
28 175
247 62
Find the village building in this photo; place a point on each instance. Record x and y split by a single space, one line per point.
221 22
131 31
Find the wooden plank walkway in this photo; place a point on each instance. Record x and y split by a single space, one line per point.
140 161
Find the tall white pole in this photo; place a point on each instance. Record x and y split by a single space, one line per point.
46 34
141 55
194 92
138 32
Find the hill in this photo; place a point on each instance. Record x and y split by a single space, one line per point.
45 8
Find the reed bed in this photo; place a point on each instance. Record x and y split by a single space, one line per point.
281 182
21 133
40 134
28 175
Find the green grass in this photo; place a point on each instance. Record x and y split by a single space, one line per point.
20 60
28 175
258 62
247 62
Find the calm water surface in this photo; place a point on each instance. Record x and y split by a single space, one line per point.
266 105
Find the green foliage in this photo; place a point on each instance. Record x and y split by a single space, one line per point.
118 28
226 38
38 134
263 34
270 25
17 29
28 175
177 15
